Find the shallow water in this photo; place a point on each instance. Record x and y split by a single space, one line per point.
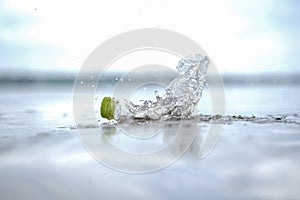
42 157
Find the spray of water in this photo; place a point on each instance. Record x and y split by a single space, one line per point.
181 95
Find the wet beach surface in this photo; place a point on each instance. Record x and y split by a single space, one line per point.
41 156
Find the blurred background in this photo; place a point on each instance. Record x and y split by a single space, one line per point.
51 39
254 44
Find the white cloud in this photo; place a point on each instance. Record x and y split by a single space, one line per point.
227 30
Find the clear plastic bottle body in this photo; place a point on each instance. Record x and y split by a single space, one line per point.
121 108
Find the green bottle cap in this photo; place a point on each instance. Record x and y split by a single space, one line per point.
107 108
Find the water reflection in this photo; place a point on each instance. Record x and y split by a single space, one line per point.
131 154
38 160
260 166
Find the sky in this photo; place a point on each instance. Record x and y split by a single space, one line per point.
250 36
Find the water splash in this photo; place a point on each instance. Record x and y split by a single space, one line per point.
181 95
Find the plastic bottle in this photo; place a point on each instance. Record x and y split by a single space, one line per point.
180 98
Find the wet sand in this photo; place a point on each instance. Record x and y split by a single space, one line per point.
41 156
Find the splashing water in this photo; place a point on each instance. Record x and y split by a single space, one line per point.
181 95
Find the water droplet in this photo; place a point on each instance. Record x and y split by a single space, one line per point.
93 86
116 78
81 82
121 79
129 79
145 88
